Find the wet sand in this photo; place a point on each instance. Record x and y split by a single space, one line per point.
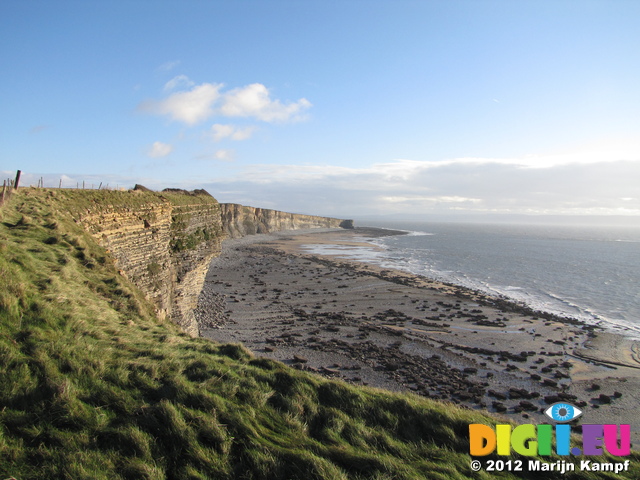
391 329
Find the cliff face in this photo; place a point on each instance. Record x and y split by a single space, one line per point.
238 220
164 245
165 241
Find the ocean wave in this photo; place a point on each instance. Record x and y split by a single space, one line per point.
419 234
353 252
534 288
537 300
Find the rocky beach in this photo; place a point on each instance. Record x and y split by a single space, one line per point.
389 329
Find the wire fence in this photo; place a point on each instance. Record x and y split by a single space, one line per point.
10 185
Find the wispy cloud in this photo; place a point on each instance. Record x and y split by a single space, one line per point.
181 81
159 149
204 101
221 155
168 66
225 155
220 132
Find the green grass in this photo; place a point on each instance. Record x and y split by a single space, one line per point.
94 386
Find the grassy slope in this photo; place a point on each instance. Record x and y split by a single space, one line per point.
93 385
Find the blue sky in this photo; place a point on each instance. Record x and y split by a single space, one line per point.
341 108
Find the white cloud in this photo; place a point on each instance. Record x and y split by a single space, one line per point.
597 151
225 155
220 132
204 101
190 107
221 155
254 101
434 199
159 149
568 184
178 81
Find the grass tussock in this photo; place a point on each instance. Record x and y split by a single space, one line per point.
94 386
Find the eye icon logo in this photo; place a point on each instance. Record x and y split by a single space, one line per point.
562 412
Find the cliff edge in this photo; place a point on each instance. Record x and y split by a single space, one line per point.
165 241
239 221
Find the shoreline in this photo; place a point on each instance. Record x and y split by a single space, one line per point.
392 329
495 296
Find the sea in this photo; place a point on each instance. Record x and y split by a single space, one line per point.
588 273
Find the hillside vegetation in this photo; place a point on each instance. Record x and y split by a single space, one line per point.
94 386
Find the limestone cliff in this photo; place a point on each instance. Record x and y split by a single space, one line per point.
238 220
165 241
164 244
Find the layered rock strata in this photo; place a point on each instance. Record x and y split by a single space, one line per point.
165 241
164 247
238 220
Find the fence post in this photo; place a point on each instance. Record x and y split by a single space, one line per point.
15 185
